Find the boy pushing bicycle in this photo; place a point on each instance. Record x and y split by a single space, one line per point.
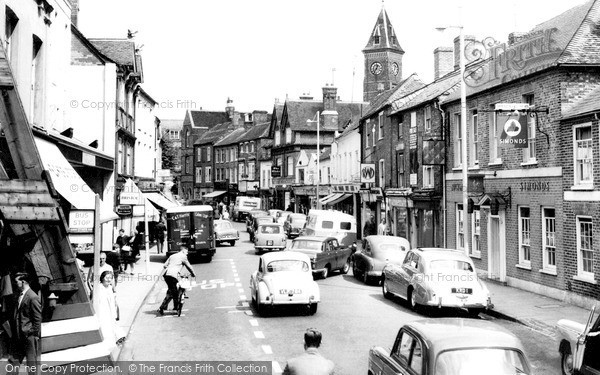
172 267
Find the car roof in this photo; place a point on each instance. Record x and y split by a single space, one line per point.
453 333
377 239
431 253
314 238
297 215
285 255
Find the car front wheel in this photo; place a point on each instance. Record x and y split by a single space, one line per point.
412 300
346 267
325 272
313 309
232 243
566 363
384 289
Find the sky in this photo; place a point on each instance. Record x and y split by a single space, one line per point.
198 53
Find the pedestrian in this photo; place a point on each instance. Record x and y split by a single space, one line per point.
122 239
370 227
172 268
225 215
311 362
28 321
105 302
160 230
382 229
135 243
103 266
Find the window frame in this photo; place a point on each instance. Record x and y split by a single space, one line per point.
524 236
474 140
208 174
580 271
381 179
546 266
381 124
457 140
427 116
460 232
530 153
475 233
577 180
428 182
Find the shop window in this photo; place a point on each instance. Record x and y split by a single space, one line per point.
457 141
475 233
549 239
524 236
460 231
529 153
585 249
583 155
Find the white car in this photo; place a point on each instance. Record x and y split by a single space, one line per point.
284 278
579 345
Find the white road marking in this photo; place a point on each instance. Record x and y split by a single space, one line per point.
242 297
276 367
245 304
236 279
234 311
225 307
259 335
267 349
235 274
241 290
238 284
249 312
253 322
223 260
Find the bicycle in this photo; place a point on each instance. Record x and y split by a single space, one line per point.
184 284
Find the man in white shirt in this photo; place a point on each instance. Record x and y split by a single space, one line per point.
172 267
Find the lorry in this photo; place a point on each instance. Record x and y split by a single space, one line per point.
329 223
243 205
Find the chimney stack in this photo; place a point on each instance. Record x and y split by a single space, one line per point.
229 109
74 12
443 61
329 97
457 54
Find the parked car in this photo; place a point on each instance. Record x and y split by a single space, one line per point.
281 216
579 346
437 277
284 278
268 237
294 224
251 215
256 221
326 254
225 232
451 346
375 253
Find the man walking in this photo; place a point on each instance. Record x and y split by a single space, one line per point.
311 362
172 268
160 230
28 320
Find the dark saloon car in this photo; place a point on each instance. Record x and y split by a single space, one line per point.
294 224
451 346
375 253
326 254
251 215
258 220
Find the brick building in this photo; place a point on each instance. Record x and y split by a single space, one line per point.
535 213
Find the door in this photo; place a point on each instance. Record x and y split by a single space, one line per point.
203 230
497 250
425 229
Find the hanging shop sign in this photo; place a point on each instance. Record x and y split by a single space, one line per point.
275 171
367 173
512 129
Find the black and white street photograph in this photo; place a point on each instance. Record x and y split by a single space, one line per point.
299 187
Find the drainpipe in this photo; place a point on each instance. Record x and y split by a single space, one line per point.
444 211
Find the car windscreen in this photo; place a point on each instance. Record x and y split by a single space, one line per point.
298 220
306 245
389 251
287 265
450 264
495 361
270 229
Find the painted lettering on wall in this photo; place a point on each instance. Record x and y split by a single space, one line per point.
535 186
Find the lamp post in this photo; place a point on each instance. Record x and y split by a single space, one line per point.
463 130
318 157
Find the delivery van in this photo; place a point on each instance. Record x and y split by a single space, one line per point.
243 205
330 223
191 226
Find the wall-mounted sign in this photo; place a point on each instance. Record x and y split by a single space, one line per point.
275 171
512 129
367 173
124 210
81 221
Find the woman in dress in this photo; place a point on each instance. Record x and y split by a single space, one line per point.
107 308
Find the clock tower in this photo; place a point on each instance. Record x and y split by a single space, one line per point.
383 59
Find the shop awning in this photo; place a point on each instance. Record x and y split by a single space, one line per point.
214 194
67 181
338 199
160 200
330 197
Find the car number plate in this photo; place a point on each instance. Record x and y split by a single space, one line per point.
462 290
290 291
269 243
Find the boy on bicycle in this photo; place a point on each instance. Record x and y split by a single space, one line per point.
172 267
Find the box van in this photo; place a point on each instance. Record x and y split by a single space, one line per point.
331 224
191 226
243 205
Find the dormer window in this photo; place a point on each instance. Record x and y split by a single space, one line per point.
376 36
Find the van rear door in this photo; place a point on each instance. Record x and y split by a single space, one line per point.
203 230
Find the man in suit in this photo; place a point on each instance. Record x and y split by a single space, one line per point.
28 321
311 362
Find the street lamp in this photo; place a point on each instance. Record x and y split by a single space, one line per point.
463 130
318 157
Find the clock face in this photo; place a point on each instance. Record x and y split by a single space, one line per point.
376 68
395 68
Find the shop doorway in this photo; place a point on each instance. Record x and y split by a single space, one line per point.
497 247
